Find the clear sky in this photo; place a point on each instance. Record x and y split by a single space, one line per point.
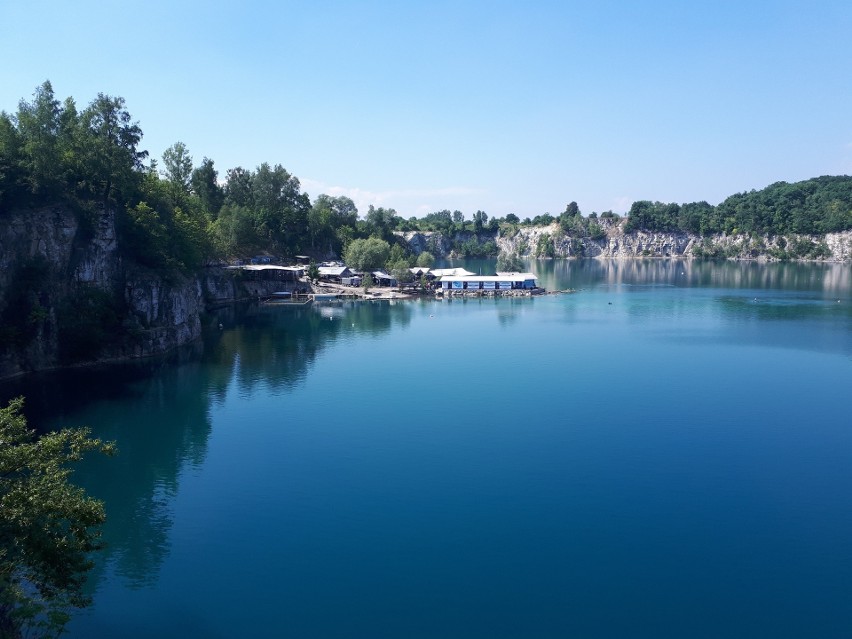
508 107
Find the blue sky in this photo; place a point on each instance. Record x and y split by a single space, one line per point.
505 107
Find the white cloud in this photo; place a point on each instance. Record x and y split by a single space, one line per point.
406 202
621 204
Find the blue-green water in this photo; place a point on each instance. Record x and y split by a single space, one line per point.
665 453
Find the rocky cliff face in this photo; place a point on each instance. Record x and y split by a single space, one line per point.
435 242
552 241
61 278
528 241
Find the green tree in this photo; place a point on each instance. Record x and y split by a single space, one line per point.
238 189
458 219
326 219
367 255
177 167
568 216
313 271
38 125
48 526
108 146
11 154
425 259
480 219
280 208
205 186
381 222
400 271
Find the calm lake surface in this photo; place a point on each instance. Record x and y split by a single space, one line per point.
665 453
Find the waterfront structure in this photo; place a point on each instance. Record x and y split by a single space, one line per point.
450 272
334 273
499 282
380 278
267 272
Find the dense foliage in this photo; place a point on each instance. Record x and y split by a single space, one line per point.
177 216
48 526
817 206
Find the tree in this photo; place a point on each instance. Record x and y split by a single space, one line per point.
280 208
401 272
238 191
569 216
38 125
458 218
367 255
11 172
425 259
177 163
109 146
313 272
572 210
48 526
381 222
327 217
480 219
205 185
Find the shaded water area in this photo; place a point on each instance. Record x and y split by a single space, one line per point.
665 453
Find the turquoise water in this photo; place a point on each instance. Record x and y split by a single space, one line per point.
665 453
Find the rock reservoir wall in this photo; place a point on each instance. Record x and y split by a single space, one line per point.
49 262
528 241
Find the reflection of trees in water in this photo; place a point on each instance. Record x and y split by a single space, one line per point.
160 430
276 344
158 411
831 279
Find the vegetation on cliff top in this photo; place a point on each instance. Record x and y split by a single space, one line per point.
177 215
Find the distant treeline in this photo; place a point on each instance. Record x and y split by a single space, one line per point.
176 214
817 206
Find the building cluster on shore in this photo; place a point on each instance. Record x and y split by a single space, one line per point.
440 282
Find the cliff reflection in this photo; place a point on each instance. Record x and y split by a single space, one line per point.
158 412
275 345
830 279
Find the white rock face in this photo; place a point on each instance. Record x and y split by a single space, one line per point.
617 244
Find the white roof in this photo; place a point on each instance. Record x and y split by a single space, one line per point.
382 275
267 267
332 270
444 272
517 275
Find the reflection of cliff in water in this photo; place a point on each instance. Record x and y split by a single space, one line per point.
276 344
831 279
158 412
559 274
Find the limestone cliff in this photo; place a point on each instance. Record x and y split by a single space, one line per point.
551 241
613 242
67 295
